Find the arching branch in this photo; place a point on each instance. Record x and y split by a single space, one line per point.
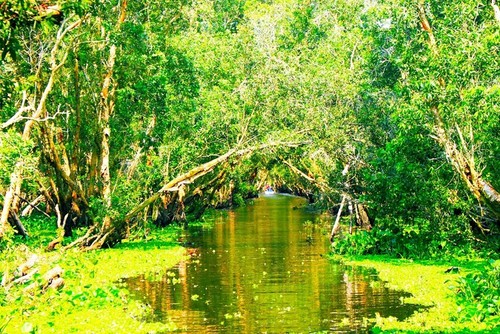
193 174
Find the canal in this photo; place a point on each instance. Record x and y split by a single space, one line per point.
263 269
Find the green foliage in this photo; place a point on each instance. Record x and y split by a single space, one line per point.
303 28
355 80
228 15
408 181
403 240
92 298
13 149
13 13
478 295
18 16
428 282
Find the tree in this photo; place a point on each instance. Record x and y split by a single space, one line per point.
417 109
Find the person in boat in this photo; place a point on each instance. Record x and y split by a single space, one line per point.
268 189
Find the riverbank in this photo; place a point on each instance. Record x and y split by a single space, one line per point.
431 286
92 297
94 301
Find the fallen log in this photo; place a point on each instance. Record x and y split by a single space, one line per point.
25 278
22 274
56 283
25 273
26 266
53 279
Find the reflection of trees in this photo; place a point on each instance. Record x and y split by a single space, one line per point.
300 291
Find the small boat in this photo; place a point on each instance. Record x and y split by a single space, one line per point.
269 190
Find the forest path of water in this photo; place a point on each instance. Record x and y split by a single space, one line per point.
261 268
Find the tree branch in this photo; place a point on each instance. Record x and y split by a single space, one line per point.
426 26
201 170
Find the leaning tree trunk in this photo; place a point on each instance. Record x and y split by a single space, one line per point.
98 236
461 157
116 230
336 226
462 160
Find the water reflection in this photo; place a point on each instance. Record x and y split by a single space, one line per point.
258 270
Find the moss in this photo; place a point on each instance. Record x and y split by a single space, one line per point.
92 300
430 286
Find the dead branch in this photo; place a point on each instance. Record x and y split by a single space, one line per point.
17 116
55 65
46 193
99 240
299 172
321 185
82 238
363 219
32 206
463 163
135 162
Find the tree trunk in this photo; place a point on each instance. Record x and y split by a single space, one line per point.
10 202
18 225
463 162
363 218
116 230
462 159
336 226
107 104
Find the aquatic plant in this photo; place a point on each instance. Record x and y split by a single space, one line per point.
478 295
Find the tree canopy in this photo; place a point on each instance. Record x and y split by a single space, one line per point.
114 113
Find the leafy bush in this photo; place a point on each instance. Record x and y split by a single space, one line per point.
478 295
417 240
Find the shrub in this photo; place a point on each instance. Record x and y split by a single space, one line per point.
478 295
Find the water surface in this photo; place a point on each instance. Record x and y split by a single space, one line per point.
262 269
